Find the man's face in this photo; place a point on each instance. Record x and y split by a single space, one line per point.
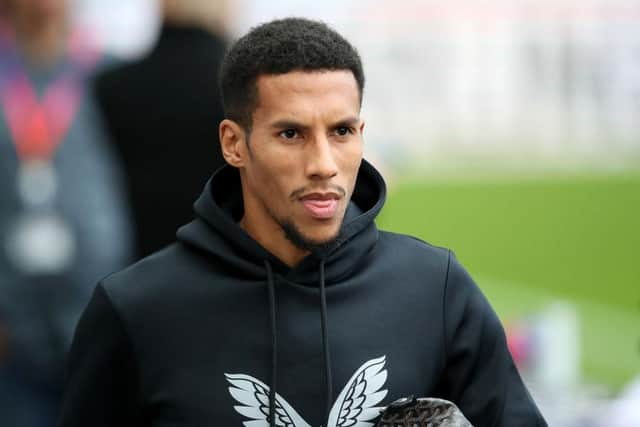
304 152
37 12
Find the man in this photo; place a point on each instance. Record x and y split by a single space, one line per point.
283 283
161 112
63 221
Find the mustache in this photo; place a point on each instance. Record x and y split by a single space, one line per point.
331 188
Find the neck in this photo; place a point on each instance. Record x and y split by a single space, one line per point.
42 44
270 236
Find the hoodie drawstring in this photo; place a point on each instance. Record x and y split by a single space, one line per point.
274 345
325 339
274 342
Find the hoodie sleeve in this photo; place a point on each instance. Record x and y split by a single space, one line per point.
480 376
102 380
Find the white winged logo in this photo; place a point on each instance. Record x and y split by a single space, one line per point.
355 406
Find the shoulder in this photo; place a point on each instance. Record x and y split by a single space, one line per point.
416 266
404 249
155 280
432 263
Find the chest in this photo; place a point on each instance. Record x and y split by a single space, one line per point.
218 364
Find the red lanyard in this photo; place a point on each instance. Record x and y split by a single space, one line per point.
37 126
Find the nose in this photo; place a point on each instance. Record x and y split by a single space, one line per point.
321 162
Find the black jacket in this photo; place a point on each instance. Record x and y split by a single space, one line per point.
196 334
162 113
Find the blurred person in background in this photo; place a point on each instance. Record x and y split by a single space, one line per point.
162 112
62 213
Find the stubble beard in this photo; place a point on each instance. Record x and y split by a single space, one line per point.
293 233
295 236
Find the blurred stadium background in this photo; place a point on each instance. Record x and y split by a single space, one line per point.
510 132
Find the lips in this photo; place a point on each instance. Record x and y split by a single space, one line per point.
320 206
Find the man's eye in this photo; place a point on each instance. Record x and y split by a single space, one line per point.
343 131
289 133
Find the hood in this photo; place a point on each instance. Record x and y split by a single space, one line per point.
217 232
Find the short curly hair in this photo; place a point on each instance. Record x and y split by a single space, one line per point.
278 47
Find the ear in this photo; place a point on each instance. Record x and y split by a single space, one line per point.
232 142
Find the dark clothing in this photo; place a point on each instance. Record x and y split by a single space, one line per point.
163 113
199 333
55 246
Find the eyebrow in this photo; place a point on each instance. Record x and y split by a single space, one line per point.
348 122
292 124
288 124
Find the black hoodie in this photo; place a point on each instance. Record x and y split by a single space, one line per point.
202 332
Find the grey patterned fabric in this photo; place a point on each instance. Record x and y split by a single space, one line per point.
423 412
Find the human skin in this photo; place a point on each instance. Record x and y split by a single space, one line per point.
41 28
299 162
213 15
